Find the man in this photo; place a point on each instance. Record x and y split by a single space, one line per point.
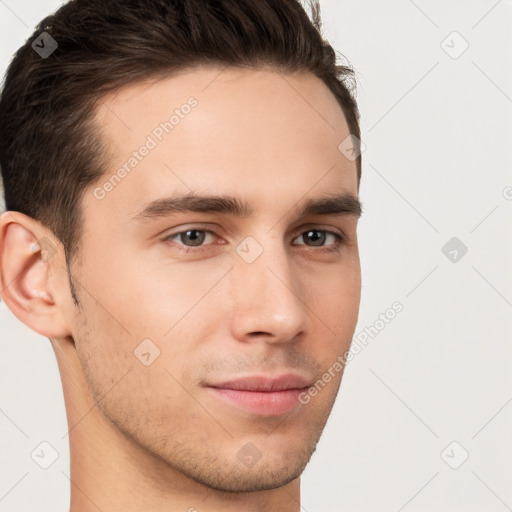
181 183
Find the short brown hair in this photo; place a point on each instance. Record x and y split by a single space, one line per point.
50 151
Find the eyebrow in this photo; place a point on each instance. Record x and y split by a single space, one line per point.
337 205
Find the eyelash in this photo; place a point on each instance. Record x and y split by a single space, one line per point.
335 248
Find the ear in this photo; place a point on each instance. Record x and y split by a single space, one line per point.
30 274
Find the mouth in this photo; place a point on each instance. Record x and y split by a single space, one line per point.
261 395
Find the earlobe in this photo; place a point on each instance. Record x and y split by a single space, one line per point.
26 256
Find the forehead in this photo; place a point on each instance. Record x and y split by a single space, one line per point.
268 137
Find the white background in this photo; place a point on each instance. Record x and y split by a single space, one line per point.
437 165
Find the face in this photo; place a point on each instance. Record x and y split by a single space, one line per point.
176 305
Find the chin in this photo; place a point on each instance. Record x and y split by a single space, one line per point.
263 475
252 480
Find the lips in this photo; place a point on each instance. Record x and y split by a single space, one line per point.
262 395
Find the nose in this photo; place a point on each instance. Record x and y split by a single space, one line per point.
267 302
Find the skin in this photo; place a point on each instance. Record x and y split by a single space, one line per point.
152 437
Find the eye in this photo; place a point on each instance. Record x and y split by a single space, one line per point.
192 240
319 236
196 237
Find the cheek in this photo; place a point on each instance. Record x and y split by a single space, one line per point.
160 298
126 374
103 346
335 299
